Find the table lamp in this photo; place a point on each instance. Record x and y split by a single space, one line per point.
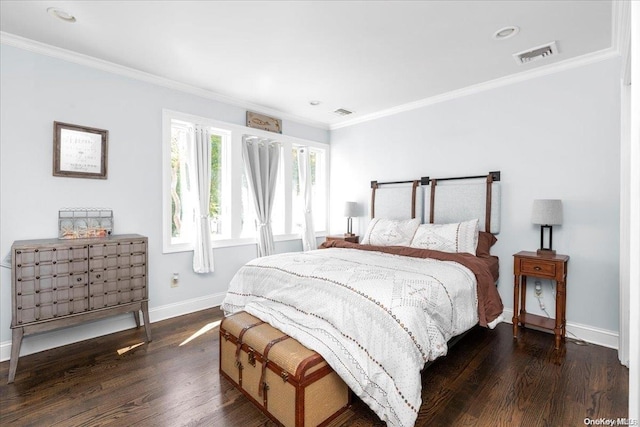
350 209
546 213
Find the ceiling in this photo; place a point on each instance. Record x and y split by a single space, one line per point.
275 57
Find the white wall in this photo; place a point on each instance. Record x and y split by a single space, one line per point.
556 136
38 89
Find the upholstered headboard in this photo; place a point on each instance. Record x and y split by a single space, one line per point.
440 200
396 200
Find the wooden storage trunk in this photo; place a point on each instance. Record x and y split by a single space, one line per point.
296 388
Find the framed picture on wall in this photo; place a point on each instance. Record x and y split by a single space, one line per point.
79 151
260 121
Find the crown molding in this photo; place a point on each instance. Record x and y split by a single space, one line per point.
621 36
568 64
90 61
620 10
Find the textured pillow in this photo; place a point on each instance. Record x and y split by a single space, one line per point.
455 238
485 241
390 232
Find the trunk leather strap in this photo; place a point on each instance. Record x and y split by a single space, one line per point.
240 335
265 361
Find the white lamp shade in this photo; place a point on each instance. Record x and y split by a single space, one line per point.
547 212
350 209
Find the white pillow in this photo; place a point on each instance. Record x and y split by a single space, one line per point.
461 237
390 232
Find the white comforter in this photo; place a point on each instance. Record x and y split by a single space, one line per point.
376 318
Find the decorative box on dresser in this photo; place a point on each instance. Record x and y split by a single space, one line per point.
58 283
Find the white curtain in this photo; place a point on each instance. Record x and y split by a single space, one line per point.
261 159
201 172
304 175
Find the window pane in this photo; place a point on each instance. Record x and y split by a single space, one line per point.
248 214
318 191
277 214
319 188
215 202
297 199
181 213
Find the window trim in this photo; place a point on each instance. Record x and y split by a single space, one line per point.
233 185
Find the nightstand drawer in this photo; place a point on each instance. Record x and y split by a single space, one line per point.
538 268
352 239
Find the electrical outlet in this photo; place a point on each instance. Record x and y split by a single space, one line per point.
538 290
175 280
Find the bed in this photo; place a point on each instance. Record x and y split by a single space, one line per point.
378 312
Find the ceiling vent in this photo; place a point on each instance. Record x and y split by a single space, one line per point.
343 112
536 53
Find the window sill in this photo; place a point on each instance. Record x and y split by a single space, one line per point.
225 243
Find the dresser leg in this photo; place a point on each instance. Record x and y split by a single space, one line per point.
16 342
136 317
145 316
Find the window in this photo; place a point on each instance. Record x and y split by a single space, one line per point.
232 213
318 189
182 185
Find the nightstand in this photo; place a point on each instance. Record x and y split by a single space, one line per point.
352 239
526 264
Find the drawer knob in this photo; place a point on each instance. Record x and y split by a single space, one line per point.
97 276
79 279
537 268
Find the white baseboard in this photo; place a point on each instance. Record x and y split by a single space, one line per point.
586 333
59 337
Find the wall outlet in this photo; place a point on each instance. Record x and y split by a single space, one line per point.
538 290
175 280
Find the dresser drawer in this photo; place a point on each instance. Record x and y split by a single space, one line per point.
538 268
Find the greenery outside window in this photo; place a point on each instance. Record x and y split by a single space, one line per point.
231 209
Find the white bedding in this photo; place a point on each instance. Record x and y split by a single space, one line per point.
376 318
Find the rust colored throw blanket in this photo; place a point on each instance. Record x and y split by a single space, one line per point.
489 301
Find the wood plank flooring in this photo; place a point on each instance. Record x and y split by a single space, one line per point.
488 379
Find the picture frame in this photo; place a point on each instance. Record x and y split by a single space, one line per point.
260 121
79 151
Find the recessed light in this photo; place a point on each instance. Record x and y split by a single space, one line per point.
506 32
314 102
61 14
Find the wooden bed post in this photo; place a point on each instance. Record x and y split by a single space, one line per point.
374 186
432 200
487 215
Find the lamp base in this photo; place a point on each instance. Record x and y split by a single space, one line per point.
546 253
349 234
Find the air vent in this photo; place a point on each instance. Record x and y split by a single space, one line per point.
343 112
536 53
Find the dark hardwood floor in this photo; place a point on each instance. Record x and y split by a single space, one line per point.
488 379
